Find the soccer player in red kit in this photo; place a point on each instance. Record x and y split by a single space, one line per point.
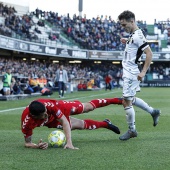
57 114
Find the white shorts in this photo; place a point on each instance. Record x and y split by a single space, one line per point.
5 89
130 87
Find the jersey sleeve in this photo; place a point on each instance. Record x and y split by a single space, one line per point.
27 131
26 124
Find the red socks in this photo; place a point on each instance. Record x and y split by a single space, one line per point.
92 124
105 102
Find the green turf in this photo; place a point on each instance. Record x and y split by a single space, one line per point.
99 149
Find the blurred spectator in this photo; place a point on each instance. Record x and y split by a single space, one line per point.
42 82
165 33
82 85
33 82
16 89
28 89
33 36
61 79
118 77
7 80
37 30
108 80
41 23
97 80
90 83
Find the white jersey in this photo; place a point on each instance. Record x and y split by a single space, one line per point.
135 46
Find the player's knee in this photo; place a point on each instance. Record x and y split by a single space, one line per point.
88 107
77 124
126 102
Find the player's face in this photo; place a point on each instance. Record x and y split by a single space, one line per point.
127 25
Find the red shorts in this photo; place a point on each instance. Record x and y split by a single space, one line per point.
67 107
57 124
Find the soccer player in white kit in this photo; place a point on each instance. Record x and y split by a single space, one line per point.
136 44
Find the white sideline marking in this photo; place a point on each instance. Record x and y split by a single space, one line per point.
7 110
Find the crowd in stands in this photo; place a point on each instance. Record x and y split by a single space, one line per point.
5 10
100 33
5 30
35 75
164 26
161 71
21 68
31 72
19 24
94 34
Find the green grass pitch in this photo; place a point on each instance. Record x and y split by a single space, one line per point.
98 149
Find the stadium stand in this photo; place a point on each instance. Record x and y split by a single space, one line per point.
77 32
18 9
98 33
56 30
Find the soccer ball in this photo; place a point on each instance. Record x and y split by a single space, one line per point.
56 139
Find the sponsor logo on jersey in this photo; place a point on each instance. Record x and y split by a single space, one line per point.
58 113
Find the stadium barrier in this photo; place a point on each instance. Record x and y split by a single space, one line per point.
42 49
159 83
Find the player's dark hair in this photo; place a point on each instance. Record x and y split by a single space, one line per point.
127 15
36 108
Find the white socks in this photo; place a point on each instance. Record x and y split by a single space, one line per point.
130 117
142 104
130 113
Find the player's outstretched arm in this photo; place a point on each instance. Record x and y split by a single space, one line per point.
40 145
67 131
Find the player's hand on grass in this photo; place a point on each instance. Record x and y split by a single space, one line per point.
69 146
42 145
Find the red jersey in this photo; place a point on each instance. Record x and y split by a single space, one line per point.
55 110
